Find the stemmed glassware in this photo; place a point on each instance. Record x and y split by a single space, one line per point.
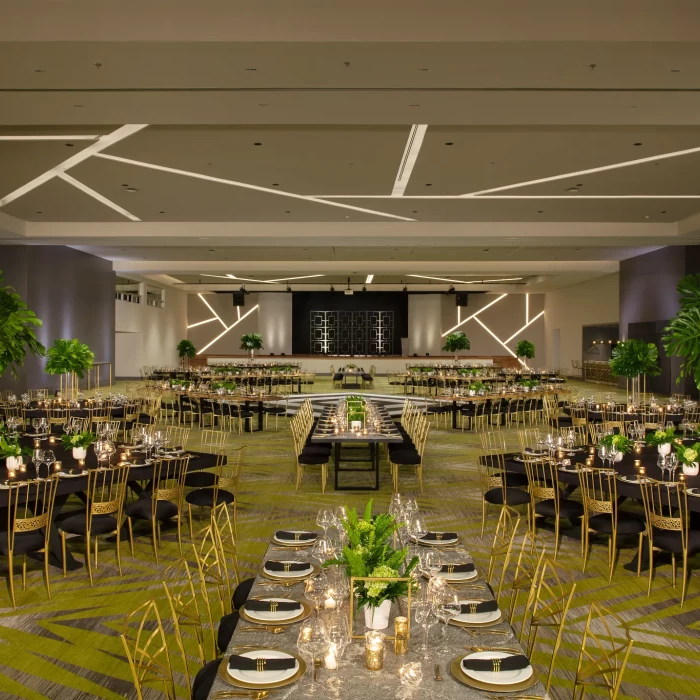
324 519
430 563
661 463
48 459
447 606
35 424
315 590
311 644
337 636
425 616
672 465
417 527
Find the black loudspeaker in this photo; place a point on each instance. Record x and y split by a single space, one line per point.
462 299
239 298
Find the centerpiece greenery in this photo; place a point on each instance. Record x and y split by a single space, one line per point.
252 342
229 386
632 360
17 335
688 455
350 366
70 359
661 437
368 554
454 342
682 335
356 408
525 349
186 351
620 442
529 383
11 448
84 439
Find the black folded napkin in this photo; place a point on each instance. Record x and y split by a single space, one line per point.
286 566
267 605
243 663
437 536
456 568
507 663
474 608
295 536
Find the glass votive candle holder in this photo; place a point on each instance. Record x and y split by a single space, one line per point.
22 468
374 650
306 634
81 463
37 442
589 461
122 457
637 464
330 658
400 635
411 674
637 448
591 450
642 471
57 466
11 474
52 439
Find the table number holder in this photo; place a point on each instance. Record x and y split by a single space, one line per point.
407 614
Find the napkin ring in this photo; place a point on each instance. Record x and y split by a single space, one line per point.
496 665
260 663
450 568
287 567
273 606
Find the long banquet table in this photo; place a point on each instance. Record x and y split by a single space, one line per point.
352 681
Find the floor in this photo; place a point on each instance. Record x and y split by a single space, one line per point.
69 649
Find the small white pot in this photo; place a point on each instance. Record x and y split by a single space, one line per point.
378 618
691 469
79 452
13 462
664 449
618 457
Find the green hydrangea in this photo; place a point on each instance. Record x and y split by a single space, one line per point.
374 590
364 526
690 455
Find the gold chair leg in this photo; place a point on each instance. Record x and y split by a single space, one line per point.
63 552
10 580
24 572
46 572
685 576
119 552
673 570
179 534
651 568
88 557
155 527
189 514
131 536
639 554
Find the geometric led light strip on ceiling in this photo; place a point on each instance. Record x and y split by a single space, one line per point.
229 276
475 316
218 318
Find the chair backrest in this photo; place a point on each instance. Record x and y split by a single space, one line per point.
230 473
106 492
529 438
178 435
30 508
542 476
506 530
211 565
169 480
598 492
146 649
215 441
579 415
666 508
530 557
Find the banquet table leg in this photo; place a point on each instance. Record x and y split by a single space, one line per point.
336 449
454 415
260 415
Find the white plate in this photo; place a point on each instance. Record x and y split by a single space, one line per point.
265 616
501 678
693 492
65 475
266 677
628 479
480 618
298 543
289 574
458 576
438 542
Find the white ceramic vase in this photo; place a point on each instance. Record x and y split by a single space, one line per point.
691 469
378 618
664 449
618 457
13 462
79 452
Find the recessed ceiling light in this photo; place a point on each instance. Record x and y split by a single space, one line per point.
638 143
486 250
125 185
449 143
646 216
288 212
204 238
675 70
251 69
40 212
663 212
257 143
414 105
369 279
424 70
70 145
572 189
78 105
39 70
162 212
275 184
428 184
211 250
131 189
415 211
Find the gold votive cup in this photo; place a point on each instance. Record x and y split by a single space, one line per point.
374 650
81 463
37 442
400 635
589 461
637 463
637 449
57 466
123 456
306 633
52 440
642 471
591 450
11 474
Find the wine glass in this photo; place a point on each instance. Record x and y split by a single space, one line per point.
48 459
672 465
315 590
340 515
431 563
323 549
311 644
35 424
661 463
447 606
324 519
417 527
425 616
337 636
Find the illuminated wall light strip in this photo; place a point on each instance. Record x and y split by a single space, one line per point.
495 337
510 196
96 195
480 281
238 308
211 308
529 323
223 333
287 279
245 185
72 137
474 315
369 279
201 323
527 309
409 158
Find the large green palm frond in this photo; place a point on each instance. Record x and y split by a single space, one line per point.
66 356
689 291
682 338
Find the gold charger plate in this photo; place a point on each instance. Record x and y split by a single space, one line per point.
462 677
294 544
315 569
460 623
436 543
230 680
305 612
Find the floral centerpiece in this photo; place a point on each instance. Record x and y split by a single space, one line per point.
688 457
12 452
621 443
78 443
368 554
662 439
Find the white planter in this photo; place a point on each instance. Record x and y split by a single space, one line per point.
664 449
79 452
618 457
13 462
378 618
691 469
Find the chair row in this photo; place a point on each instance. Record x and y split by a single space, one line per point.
414 427
307 454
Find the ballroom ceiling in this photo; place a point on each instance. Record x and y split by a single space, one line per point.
534 143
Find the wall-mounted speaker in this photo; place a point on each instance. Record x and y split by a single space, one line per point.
461 298
239 298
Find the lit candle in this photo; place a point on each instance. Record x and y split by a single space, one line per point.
37 442
589 461
52 440
331 658
374 650
81 463
329 603
123 456
11 473
642 471
57 466
591 450
637 463
637 449
401 626
306 634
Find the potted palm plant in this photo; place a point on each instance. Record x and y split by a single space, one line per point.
525 350
455 342
70 359
17 335
186 351
252 342
633 360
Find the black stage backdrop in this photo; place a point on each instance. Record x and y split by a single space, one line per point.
303 303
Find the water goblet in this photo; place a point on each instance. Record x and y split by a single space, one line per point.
35 424
311 644
324 519
48 459
424 613
661 463
447 606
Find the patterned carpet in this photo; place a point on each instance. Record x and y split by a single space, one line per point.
69 648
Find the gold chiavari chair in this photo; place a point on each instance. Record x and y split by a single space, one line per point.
653 418
104 514
527 565
602 516
29 515
605 651
275 408
580 434
98 415
597 431
184 608
554 592
412 458
58 415
163 502
136 430
614 417
502 546
579 416
177 436
546 497
131 413
146 650
529 439
109 429
212 566
307 458
668 526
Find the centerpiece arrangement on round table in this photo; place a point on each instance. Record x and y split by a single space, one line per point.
662 440
78 443
11 450
688 457
368 555
620 445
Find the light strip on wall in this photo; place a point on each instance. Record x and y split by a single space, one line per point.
495 337
369 279
529 323
245 185
91 150
527 309
96 195
36 137
233 325
446 279
211 308
409 158
229 276
301 277
201 323
510 196
474 315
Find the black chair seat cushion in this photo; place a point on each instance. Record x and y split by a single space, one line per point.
562 421
407 444
205 497
242 592
275 410
142 509
515 479
513 496
101 524
338 377
227 626
567 508
670 541
204 680
200 479
25 542
367 378
316 450
405 456
311 460
627 524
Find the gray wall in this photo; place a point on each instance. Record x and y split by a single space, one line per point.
71 292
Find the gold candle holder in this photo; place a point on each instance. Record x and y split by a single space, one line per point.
591 450
37 442
637 464
374 650
642 471
589 461
57 466
400 635
122 457
52 440
81 463
306 633
11 474
22 469
637 449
